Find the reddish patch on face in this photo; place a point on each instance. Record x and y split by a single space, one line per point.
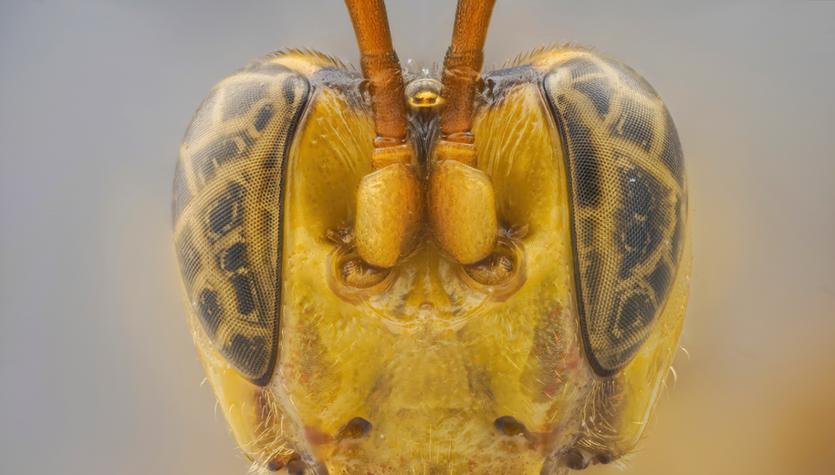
306 361
549 348
316 436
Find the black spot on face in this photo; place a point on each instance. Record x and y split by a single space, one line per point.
575 460
297 467
226 212
209 311
264 115
356 428
635 123
234 257
244 293
598 91
508 425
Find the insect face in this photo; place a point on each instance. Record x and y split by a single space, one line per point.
393 271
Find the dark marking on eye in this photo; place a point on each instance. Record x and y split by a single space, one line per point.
249 353
265 224
264 115
244 293
672 156
234 257
580 67
635 312
220 151
636 123
643 217
593 270
636 242
631 79
241 96
202 120
182 196
226 212
677 239
289 88
225 149
588 175
598 91
204 166
190 263
588 236
209 311
206 160
660 280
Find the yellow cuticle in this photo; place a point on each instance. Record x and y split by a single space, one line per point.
459 151
385 154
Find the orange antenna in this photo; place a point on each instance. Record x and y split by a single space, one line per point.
461 204
389 202
381 68
462 67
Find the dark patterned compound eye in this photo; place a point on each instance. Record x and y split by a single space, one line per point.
435 270
628 201
228 200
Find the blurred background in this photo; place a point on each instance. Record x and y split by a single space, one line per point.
98 373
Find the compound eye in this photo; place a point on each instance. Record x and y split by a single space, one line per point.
362 275
501 273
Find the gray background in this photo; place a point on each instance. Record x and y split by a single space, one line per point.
97 370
